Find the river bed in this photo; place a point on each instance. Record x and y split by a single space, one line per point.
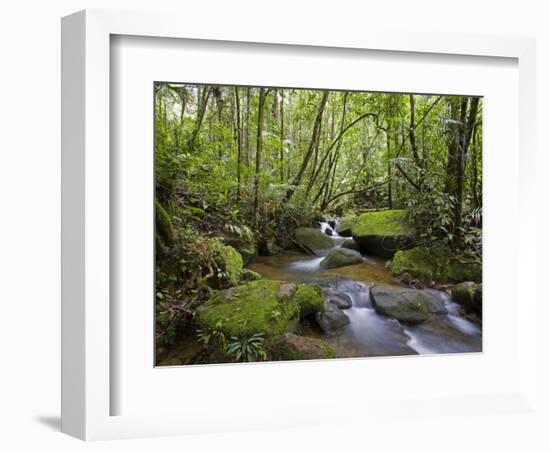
369 333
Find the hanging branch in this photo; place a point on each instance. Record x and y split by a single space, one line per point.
353 191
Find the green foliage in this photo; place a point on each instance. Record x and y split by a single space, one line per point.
247 348
209 174
432 264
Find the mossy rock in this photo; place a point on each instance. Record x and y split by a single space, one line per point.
269 248
436 265
249 275
310 299
344 227
291 347
269 307
340 257
350 244
410 306
232 263
382 233
246 245
468 294
254 307
312 240
165 232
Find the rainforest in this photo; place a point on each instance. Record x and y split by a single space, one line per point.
306 224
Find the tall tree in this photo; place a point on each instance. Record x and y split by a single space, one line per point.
239 141
202 102
314 142
261 102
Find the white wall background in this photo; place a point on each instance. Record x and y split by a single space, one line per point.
30 198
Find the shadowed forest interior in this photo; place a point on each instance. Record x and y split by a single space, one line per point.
297 224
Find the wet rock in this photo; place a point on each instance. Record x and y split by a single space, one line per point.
410 306
382 233
331 318
469 295
344 227
341 257
340 300
291 347
269 248
312 240
328 231
430 264
332 223
350 244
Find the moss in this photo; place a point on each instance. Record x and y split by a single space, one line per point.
255 307
232 263
245 245
463 293
469 295
429 264
165 229
381 223
309 298
346 223
249 275
291 347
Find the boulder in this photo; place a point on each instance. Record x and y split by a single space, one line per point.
341 257
310 299
328 231
332 223
269 248
269 307
340 300
255 307
230 262
245 244
382 233
313 240
290 347
410 306
435 265
249 275
344 227
469 295
351 245
331 318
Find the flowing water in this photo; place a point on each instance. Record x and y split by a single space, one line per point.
369 333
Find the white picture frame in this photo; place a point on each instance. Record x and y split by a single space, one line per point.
87 386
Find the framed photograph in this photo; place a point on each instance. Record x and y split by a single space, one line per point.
250 218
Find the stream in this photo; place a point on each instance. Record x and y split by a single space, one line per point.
369 333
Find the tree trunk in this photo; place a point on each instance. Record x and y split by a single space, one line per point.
461 134
247 129
239 142
261 102
388 149
201 109
412 136
312 145
282 136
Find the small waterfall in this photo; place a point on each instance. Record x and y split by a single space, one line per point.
324 226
